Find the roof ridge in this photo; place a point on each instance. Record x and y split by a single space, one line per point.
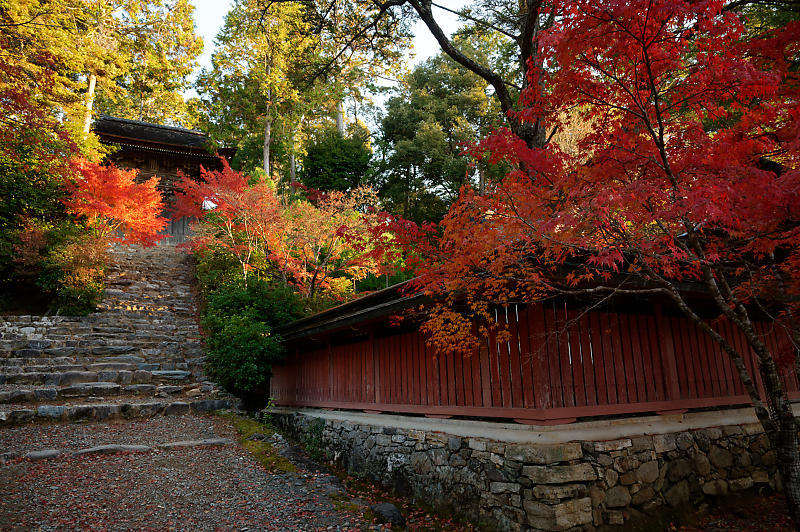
151 124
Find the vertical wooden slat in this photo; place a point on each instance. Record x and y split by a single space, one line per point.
685 367
477 388
397 371
619 359
600 365
628 357
405 366
565 364
540 364
719 381
410 369
607 350
649 361
486 379
441 379
411 341
468 363
331 374
433 377
639 347
526 356
504 358
494 370
706 369
376 368
573 331
735 386
669 364
689 348
554 356
458 374
632 331
587 359
448 384
517 390
655 358
423 364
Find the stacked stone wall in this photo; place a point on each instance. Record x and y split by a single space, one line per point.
574 485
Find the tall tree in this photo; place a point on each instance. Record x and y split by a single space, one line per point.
256 77
517 25
439 110
135 56
689 179
160 49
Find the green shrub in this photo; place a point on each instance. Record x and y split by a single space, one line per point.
215 268
62 264
238 322
240 355
259 301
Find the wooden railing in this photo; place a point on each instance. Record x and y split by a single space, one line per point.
559 364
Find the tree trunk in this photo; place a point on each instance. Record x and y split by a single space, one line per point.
340 118
267 141
292 167
87 117
783 435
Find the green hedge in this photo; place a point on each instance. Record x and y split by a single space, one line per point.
238 320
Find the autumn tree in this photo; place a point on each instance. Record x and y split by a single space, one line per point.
318 246
114 205
690 178
133 56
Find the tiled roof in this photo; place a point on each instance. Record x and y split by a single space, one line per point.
121 128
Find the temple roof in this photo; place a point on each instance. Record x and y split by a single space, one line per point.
154 137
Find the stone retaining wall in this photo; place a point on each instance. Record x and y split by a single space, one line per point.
574 485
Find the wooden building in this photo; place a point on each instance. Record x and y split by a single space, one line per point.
163 151
558 363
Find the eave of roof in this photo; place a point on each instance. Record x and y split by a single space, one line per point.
382 303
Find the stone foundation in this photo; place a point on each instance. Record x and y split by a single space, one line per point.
557 486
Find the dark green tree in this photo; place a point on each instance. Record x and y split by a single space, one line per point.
439 110
336 162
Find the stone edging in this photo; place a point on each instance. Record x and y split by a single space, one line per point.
47 454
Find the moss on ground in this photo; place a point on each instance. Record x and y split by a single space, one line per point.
262 451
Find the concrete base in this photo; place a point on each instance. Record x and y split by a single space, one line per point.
599 430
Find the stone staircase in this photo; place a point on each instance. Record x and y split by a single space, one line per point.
140 355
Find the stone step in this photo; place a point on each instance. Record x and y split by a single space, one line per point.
15 370
66 378
172 375
100 389
37 361
107 411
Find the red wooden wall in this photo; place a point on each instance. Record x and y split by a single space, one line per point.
559 365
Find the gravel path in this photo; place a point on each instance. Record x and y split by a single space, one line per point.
197 488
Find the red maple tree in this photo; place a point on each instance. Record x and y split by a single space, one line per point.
115 205
318 245
690 175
